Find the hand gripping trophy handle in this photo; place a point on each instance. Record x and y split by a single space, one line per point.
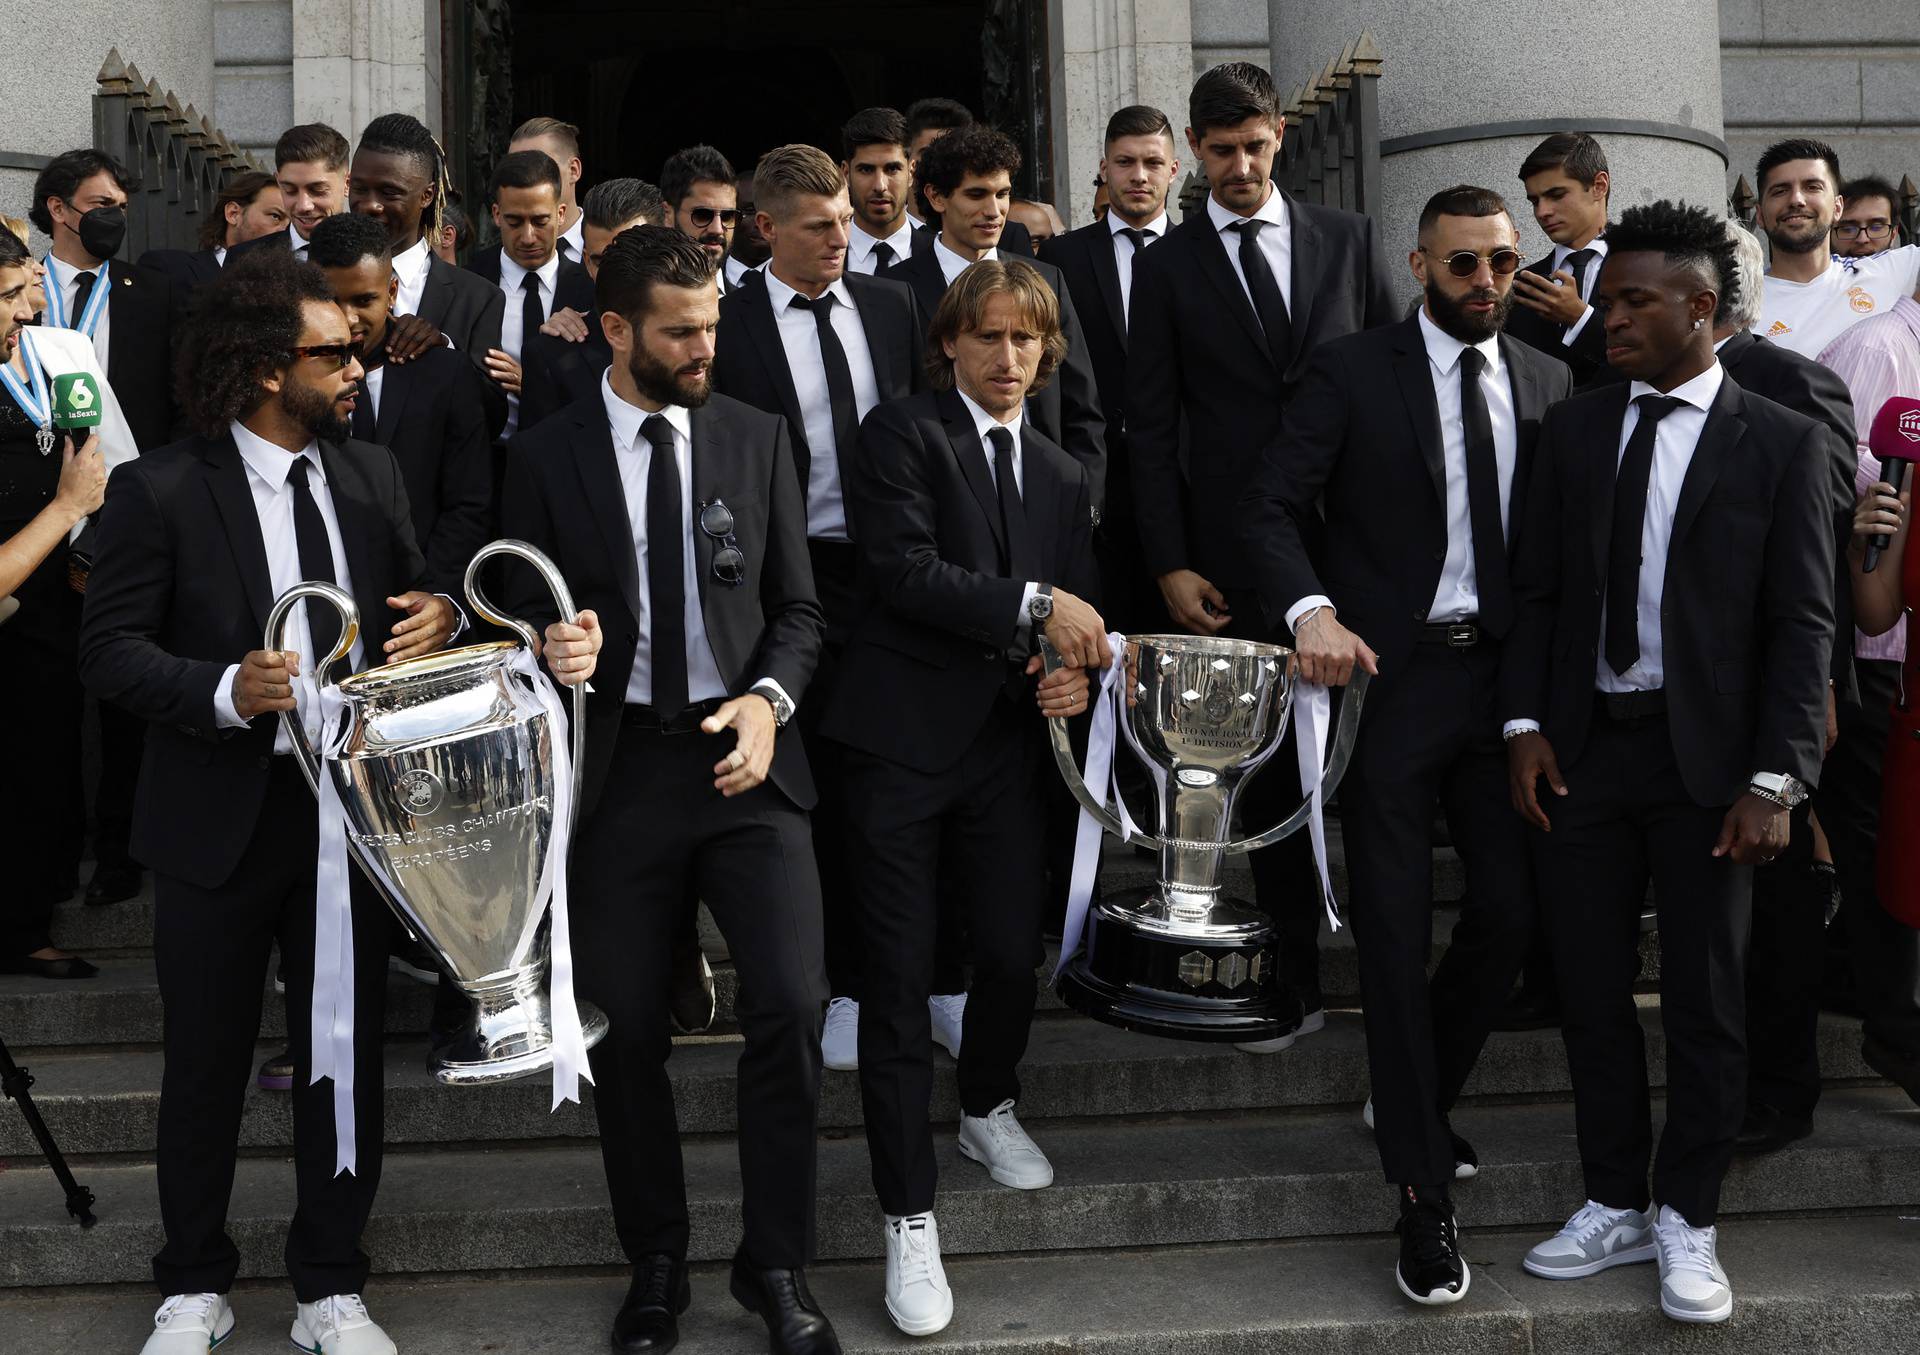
1070 770
342 602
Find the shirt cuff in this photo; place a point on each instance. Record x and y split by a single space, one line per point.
1573 330
778 691
224 714
1307 604
1025 619
1512 727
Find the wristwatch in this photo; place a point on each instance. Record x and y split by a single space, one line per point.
1041 607
782 708
1786 791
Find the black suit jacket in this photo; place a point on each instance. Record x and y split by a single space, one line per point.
185 269
464 308
563 494
1747 610
1586 355
929 657
750 362
141 310
1067 410
1361 442
1085 259
431 415
572 288
1196 349
555 372
179 591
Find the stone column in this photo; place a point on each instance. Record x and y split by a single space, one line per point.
1470 86
356 59
1106 54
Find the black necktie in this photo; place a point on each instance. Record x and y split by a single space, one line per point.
666 563
1483 498
1629 518
565 246
316 564
882 256
82 289
1140 237
1268 302
833 359
531 316
1577 263
1013 512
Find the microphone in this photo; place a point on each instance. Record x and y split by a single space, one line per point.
1895 439
76 401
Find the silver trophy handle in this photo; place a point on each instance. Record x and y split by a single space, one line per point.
563 598
1070 772
1337 758
342 602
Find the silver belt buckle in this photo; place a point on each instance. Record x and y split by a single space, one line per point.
1462 635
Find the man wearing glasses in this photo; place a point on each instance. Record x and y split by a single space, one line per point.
1421 475
703 203
676 515
1870 222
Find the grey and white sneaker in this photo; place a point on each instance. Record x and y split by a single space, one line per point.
918 1299
1693 1288
1595 1239
948 1012
190 1324
997 1142
840 1037
338 1325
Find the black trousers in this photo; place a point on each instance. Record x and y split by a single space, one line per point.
211 948
979 827
660 833
1785 966
1626 816
42 816
1430 734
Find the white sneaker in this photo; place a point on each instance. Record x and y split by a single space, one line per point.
338 1325
949 1011
190 1324
1595 1239
840 1040
1693 1288
1312 1023
918 1299
997 1142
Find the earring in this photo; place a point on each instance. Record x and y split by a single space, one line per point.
1698 323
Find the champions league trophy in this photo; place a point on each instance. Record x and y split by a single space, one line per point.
445 768
1179 958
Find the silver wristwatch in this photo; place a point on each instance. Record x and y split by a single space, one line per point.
1041 606
782 708
1786 791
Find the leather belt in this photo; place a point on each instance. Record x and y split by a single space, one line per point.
1452 634
1631 705
635 716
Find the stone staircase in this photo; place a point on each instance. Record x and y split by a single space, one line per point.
1205 1200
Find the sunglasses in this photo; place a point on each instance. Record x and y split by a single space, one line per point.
703 216
1873 230
729 561
340 354
1464 263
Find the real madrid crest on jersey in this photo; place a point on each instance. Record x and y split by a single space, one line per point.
1858 298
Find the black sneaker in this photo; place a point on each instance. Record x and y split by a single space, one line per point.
276 1074
1431 1269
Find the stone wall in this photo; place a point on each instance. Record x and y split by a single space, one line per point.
253 72
1107 55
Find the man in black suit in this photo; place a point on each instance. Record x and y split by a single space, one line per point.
927 120
196 541
879 172
246 208
310 165
1673 618
1139 166
974 536
1225 314
968 178
561 141
80 202
532 279
703 202
1419 478
821 347
676 516
1567 183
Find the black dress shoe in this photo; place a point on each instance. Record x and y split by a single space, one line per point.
1895 1065
1528 1011
1766 1130
795 1324
113 884
72 967
649 1319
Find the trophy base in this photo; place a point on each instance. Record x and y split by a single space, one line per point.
511 1037
1214 983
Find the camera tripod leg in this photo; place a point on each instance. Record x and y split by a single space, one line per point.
14 1082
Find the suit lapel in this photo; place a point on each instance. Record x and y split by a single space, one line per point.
1529 403
1414 374
1724 428
436 294
1305 269
1100 248
1603 461
226 476
359 524
1212 251
964 441
708 477
395 388
883 348
593 457
756 314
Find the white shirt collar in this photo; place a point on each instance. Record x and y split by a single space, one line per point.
782 295
511 272
270 461
99 270
411 263
574 236
220 255
1156 227
625 419
901 241
983 422
952 264
1444 351
1274 209
1699 392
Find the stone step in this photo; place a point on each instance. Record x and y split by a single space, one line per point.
108 1101
1161 1181
1842 1286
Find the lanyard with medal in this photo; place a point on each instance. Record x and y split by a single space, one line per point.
33 395
56 314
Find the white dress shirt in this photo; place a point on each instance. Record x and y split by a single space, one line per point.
575 238
67 276
1457 596
296 241
633 456
1124 250
860 246
268 466
220 255
512 340
983 424
1276 241
800 337
1560 255
952 265
410 265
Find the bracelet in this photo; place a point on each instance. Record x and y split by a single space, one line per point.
1763 793
1307 616
1509 735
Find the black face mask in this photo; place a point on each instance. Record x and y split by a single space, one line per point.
103 230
